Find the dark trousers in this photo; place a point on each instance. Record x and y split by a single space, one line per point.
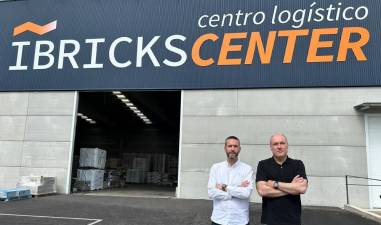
213 223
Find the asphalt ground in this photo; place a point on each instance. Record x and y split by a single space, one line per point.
99 210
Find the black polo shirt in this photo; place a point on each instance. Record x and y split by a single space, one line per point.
285 210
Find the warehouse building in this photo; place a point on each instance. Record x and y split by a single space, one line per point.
166 95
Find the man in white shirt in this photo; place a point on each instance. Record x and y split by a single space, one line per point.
230 186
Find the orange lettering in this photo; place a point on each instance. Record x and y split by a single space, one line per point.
345 43
197 46
315 44
256 41
291 40
226 47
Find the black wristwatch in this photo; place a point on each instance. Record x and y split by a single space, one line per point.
224 187
276 185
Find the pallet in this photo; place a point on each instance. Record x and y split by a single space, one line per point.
15 198
43 195
13 194
9 199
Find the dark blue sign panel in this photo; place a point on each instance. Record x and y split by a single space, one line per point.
179 44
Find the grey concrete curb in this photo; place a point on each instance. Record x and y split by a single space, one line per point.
363 213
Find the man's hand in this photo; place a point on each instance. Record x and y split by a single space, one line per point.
221 187
245 183
297 179
270 183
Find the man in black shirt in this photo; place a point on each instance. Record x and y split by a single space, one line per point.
280 180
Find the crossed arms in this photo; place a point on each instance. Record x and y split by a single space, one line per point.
219 191
297 186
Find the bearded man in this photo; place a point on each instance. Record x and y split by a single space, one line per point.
230 186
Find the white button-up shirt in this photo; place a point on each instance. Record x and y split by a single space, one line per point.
230 207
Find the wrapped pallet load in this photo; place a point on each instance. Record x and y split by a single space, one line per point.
93 176
92 158
38 185
92 162
135 176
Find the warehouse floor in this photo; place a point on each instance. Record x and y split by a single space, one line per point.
100 210
137 190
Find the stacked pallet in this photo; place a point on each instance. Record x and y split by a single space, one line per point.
38 185
92 158
135 176
153 168
92 162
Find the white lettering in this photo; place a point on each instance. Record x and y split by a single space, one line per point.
170 47
111 52
94 47
200 19
20 45
365 14
38 54
140 51
69 55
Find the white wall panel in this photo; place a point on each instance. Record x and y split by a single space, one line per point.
337 160
9 176
218 102
301 130
203 156
45 154
12 128
305 101
194 185
51 103
48 128
290 101
13 103
11 153
331 191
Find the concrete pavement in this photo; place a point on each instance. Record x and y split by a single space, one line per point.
102 210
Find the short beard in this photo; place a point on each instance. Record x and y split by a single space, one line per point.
232 155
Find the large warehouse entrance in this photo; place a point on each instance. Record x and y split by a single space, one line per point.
127 143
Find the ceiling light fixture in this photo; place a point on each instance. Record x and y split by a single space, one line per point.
131 105
86 118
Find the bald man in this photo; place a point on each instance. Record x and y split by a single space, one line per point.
280 181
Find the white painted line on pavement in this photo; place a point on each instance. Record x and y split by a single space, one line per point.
94 221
